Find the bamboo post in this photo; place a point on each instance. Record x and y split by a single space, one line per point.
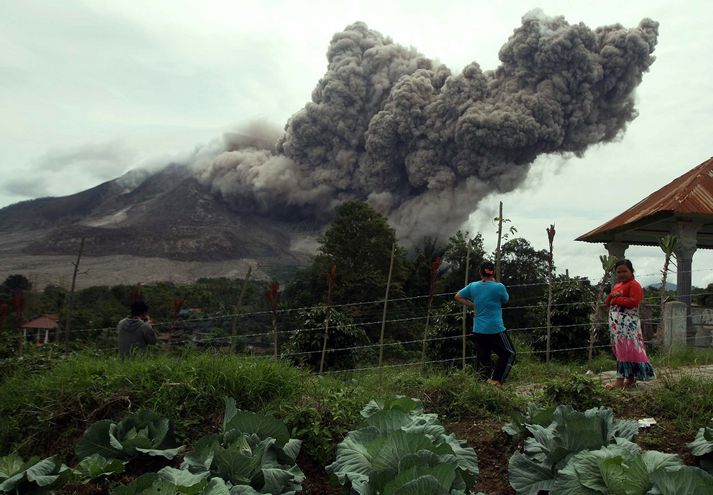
607 266
233 338
331 282
70 298
434 272
500 238
465 283
551 238
386 302
272 294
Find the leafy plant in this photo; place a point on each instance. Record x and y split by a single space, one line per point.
141 433
535 415
402 450
620 468
550 448
170 481
253 454
305 346
685 479
579 391
571 314
447 333
33 476
702 447
95 466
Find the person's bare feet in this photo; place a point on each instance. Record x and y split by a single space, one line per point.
495 382
630 383
618 383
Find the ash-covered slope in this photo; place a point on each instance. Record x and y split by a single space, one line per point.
168 214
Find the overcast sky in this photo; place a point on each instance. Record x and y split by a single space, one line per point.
91 89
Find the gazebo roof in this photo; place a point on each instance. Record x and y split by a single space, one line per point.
42 323
688 198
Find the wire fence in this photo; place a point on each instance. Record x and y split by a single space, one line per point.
364 319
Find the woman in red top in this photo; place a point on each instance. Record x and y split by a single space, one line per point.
632 363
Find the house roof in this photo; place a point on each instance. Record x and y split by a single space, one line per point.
689 198
42 322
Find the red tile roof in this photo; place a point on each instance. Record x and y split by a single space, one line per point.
42 322
690 194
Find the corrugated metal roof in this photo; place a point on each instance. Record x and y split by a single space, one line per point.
690 194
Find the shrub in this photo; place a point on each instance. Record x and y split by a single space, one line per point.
305 346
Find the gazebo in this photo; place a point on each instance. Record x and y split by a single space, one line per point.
683 207
38 324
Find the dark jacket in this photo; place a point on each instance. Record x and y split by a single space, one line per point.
134 336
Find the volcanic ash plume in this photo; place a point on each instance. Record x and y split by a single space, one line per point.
423 145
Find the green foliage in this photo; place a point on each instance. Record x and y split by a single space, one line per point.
173 481
702 448
552 447
324 414
33 476
94 467
578 391
684 479
525 273
252 450
16 283
180 387
359 242
686 401
571 316
535 415
455 257
141 433
400 449
305 345
446 333
618 468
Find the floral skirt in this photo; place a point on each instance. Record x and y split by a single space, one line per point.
628 344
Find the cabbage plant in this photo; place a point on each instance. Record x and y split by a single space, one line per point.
619 468
702 448
252 454
402 450
34 476
551 447
141 433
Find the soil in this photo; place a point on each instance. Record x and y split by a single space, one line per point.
493 447
317 479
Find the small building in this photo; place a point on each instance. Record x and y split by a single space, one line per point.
44 327
684 208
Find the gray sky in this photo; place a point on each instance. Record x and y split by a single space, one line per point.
90 89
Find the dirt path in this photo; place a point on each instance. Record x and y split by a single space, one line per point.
663 374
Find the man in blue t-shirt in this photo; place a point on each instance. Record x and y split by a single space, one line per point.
486 299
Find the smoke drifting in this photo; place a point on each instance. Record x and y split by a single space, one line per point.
423 145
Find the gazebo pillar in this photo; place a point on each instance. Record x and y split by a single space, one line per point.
618 250
686 246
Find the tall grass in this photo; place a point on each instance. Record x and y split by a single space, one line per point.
36 409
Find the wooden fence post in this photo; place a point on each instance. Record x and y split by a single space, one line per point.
386 302
233 339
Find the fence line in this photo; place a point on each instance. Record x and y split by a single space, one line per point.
163 324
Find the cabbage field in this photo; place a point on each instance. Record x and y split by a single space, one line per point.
210 424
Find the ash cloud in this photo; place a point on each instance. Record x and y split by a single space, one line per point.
424 145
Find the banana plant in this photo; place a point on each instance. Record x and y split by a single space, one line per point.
668 245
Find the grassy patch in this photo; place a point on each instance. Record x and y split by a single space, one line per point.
40 412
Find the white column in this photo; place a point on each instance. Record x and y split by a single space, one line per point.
686 246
